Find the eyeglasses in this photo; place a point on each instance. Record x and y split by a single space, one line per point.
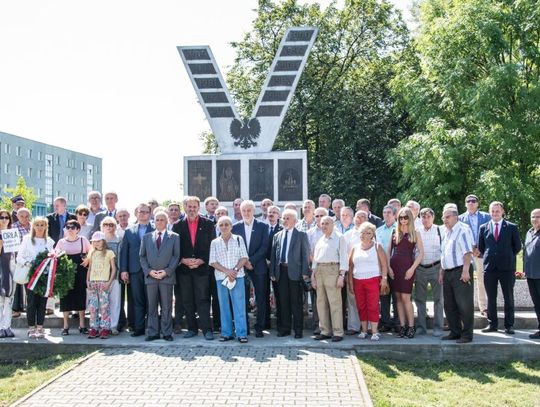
82 214
71 227
4 217
319 216
111 225
144 211
471 201
403 217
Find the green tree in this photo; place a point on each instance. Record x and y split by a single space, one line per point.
20 189
470 85
342 112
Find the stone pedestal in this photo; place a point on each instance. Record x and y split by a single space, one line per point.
278 175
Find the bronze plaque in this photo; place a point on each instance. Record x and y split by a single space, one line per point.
228 180
290 180
261 179
200 178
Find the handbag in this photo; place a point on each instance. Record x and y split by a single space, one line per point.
20 276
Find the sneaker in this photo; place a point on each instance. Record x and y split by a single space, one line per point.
115 332
31 333
375 337
40 333
92 334
104 334
362 335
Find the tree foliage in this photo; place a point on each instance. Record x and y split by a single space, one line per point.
342 112
20 189
470 85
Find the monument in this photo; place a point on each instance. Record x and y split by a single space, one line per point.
247 167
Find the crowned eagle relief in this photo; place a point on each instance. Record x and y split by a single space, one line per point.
245 133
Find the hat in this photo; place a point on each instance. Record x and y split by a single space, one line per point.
18 198
97 236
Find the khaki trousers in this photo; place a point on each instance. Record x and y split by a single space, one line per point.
482 296
329 303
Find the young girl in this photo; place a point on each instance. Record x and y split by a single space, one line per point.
7 287
101 273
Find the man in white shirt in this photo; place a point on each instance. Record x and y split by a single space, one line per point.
415 209
428 273
330 265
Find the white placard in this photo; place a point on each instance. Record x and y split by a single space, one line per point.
11 240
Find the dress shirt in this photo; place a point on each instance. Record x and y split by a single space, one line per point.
304 226
431 239
383 234
457 242
341 229
287 232
494 226
314 234
332 249
473 220
92 215
23 231
271 228
247 230
142 230
352 238
192 227
531 254
227 254
418 223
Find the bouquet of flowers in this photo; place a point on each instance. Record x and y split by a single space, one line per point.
52 274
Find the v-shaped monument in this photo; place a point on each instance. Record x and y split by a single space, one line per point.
247 167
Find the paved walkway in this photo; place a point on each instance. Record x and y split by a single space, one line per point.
210 376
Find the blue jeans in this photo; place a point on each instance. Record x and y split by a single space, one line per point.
238 299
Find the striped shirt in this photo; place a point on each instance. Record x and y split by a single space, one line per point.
227 254
457 242
304 226
431 239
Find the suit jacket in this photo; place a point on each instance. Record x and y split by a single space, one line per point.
204 236
298 255
130 249
375 220
499 255
258 244
54 225
277 228
483 217
99 217
166 258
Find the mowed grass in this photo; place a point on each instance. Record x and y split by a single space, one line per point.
425 383
18 378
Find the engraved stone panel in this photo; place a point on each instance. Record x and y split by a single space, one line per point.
261 179
269 110
202 69
287 65
225 111
208 83
290 180
293 51
299 35
281 80
200 178
194 54
228 179
214 97
275 95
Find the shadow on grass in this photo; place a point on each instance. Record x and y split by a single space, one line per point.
479 372
10 368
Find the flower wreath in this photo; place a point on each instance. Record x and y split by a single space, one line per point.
52 274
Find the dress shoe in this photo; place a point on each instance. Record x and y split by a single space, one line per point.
321 337
225 338
464 340
298 335
209 336
259 334
535 335
136 333
484 313
385 328
337 338
190 334
282 334
509 331
351 332
489 329
317 332
450 337
151 338
177 329
168 338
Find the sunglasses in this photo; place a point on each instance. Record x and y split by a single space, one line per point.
471 201
82 214
71 227
4 217
319 216
403 217
111 225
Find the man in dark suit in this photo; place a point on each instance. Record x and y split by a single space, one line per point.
499 243
131 271
288 266
196 234
160 253
58 218
111 199
273 217
364 205
255 235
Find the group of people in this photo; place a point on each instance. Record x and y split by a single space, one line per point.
185 265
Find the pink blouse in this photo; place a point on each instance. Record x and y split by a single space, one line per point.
73 247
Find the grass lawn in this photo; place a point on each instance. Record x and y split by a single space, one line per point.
21 377
424 383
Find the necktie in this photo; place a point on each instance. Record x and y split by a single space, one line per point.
284 248
158 240
110 214
271 230
496 232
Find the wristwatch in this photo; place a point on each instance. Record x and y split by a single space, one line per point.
342 275
235 268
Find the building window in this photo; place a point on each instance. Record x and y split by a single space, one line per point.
39 156
19 150
40 174
57 160
29 172
7 149
58 177
30 153
58 193
82 166
39 192
6 168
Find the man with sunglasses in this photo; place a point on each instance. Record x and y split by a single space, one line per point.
476 218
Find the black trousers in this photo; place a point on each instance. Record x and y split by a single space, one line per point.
534 290
179 310
196 298
138 297
459 303
315 320
18 299
35 309
507 279
126 320
260 285
214 301
291 304
386 319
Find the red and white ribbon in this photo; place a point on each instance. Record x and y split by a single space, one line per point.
48 267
